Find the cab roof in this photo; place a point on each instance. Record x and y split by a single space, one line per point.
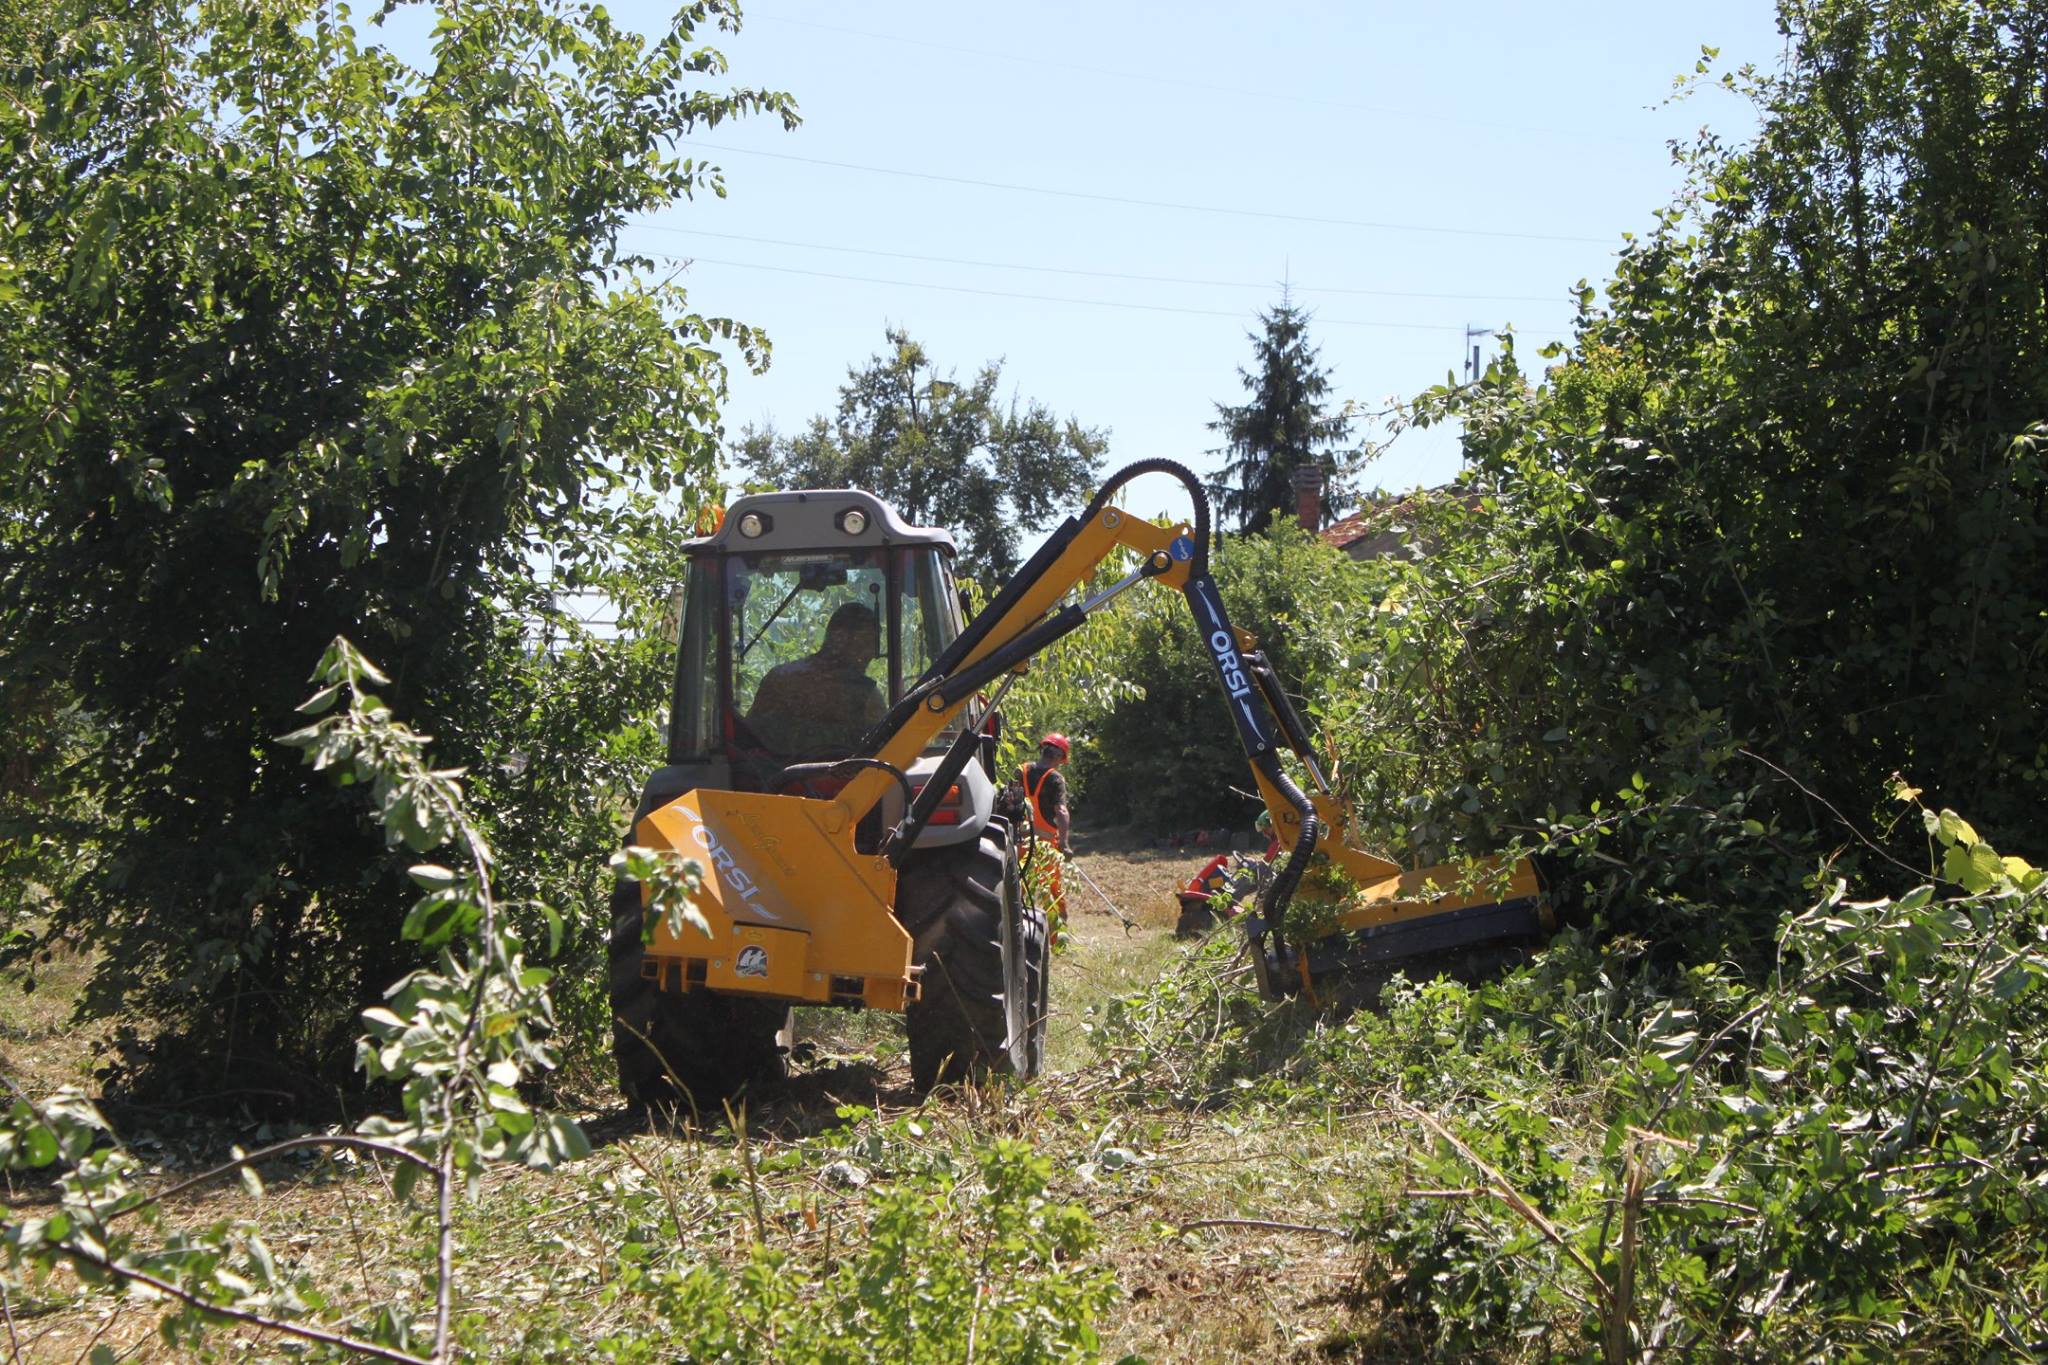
810 519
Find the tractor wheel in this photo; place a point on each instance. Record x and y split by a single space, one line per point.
684 1051
983 951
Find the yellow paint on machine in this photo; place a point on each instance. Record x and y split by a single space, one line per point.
796 912
787 863
1389 893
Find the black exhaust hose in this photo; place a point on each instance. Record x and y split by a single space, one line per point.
926 804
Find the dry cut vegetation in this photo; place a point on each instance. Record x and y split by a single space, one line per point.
555 1263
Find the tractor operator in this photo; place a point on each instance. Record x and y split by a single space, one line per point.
1046 787
824 702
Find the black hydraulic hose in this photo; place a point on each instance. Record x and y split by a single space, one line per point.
899 715
1021 582
1200 562
1007 656
1207 605
1273 905
999 606
798 771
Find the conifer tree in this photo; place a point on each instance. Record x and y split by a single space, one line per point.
1285 425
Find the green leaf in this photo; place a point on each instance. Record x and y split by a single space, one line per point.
432 876
1975 867
39 1146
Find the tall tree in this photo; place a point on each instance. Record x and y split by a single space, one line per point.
298 340
1285 426
943 452
1776 527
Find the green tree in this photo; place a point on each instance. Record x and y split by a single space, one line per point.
297 340
1777 524
944 453
1286 425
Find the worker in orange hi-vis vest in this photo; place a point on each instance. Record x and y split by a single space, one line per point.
1046 787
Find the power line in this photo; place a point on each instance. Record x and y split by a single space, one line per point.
1095 274
1374 224
1181 82
1046 298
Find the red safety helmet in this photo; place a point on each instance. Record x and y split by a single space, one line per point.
1057 741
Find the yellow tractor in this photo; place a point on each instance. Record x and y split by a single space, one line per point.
831 764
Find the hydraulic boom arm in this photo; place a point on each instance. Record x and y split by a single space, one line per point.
1397 913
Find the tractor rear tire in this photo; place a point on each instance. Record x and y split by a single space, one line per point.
983 950
684 1052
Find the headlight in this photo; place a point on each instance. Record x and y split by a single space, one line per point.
752 526
853 521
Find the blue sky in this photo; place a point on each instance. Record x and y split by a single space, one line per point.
1448 166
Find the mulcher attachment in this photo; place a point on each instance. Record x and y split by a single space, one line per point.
1462 942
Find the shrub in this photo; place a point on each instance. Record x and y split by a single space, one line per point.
457 1041
1845 1159
1772 527
978 1265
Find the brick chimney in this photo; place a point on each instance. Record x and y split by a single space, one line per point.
1308 497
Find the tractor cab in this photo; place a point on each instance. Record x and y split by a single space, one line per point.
805 617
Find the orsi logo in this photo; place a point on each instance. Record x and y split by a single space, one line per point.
1234 680
753 961
732 877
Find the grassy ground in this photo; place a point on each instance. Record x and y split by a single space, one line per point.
538 1250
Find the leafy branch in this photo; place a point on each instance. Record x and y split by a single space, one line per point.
458 1039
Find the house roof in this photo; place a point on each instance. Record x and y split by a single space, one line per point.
1379 516
1355 527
